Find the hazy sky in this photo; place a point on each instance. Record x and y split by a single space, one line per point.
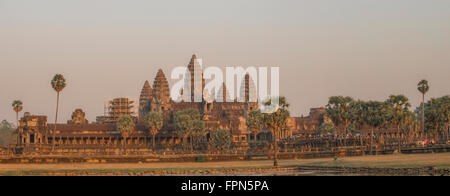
105 48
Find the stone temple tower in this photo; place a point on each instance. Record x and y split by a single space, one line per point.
161 93
197 82
145 99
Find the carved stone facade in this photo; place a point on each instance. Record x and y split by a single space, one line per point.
309 124
78 118
227 114
216 114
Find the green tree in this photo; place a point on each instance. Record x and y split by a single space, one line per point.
437 115
374 115
6 129
255 122
397 110
356 110
423 88
198 131
276 122
221 139
58 84
409 123
185 122
339 110
125 125
17 107
327 128
154 122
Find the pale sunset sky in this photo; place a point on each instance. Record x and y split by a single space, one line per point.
367 49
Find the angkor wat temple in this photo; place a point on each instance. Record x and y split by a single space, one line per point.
228 115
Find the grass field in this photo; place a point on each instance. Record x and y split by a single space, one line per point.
441 160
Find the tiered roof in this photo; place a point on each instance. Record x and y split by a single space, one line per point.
145 98
161 89
146 92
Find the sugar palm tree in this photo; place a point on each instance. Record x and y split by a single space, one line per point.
185 122
437 114
198 131
397 110
356 110
125 125
154 123
408 123
374 115
423 88
58 84
17 107
276 122
340 111
327 128
255 123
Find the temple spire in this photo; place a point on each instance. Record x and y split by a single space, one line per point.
145 98
161 89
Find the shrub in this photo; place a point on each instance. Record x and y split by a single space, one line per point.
200 158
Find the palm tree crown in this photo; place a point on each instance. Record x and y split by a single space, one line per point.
423 86
339 109
58 83
125 124
17 106
398 106
154 122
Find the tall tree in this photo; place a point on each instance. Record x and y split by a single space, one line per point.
409 123
6 130
356 110
423 88
198 131
125 125
17 107
437 115
255 122
185 123
154 122
276 122
339 110
397 110
374 115
58 84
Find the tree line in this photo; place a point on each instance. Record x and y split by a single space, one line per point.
350 114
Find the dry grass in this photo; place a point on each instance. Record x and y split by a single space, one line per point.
439 160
